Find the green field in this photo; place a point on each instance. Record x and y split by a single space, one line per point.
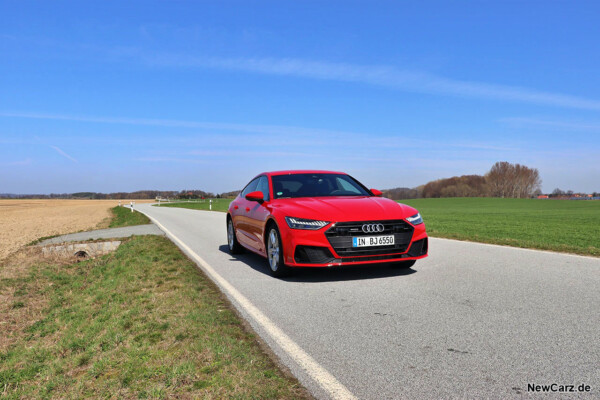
140 323
559 225
217 205
122 216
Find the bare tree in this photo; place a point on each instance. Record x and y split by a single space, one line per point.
457 186
512 180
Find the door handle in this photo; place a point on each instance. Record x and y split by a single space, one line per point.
247 208
235 207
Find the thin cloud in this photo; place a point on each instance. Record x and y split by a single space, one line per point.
26 161
277 134
379 75
62 153
247 128
245 152
480 146
386 76
552 123
172 160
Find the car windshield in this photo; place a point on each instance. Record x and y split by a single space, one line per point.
316 185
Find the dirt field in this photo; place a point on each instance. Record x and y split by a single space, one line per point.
23 221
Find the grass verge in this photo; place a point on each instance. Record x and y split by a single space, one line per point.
122 216
217 205
556 225
142 322
39 240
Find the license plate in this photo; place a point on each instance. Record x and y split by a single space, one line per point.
366 241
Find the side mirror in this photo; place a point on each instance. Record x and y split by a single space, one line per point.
255 196
376 192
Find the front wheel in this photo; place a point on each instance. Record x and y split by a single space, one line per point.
234 246
275 254
403 264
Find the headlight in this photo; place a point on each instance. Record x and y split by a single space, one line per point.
415 219
300 223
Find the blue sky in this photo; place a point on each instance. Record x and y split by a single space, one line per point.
122 96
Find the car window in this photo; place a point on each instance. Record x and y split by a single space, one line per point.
263 186
316 185
251 187
347 186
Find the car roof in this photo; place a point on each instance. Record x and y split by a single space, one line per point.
301 171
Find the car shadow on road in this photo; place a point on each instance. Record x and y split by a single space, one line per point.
307 275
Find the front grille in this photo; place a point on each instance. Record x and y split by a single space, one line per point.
340 237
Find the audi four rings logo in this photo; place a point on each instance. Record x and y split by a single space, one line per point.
372 228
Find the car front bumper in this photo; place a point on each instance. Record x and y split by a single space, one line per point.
305 248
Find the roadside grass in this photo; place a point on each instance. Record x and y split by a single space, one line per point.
39 240
571 226
142 322
217 205
122 216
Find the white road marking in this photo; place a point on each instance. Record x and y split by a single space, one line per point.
319 374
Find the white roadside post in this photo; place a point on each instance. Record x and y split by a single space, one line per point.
210 205
131 204
119 203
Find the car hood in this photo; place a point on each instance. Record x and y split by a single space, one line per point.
339 209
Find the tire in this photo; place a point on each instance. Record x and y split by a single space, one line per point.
403 264
275 253
234 246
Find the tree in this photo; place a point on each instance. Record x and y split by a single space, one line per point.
457 186
512 180
401 193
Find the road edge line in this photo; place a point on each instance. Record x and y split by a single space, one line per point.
320 375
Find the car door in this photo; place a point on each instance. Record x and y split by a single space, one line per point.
258 214
241 215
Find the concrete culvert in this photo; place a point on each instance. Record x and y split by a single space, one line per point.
81 250
82 254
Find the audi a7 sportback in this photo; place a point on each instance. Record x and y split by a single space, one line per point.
322 219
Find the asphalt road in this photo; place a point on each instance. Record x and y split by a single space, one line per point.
470 321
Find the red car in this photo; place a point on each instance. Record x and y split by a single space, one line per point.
322 219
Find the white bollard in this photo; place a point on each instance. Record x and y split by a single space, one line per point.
210 205
131 203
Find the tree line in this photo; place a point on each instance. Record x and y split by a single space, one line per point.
502 180
558 193
137 195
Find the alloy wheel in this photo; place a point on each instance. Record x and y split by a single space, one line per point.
230 234
273 249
